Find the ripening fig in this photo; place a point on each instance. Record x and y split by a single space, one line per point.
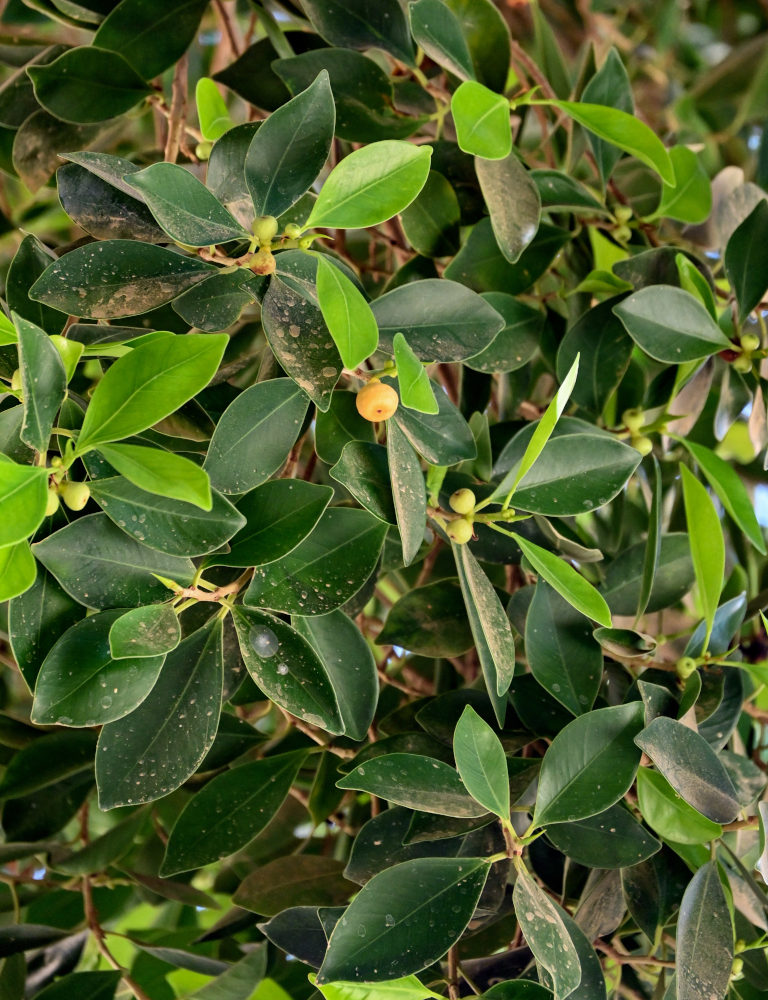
750 342
292 231
75 495
203 150
262 262
643 444
742 363
376 401
264 228
633 419
460 531
52 503
462 501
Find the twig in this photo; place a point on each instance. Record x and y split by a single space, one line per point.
453 973
228 27
215 595
92 919
178 112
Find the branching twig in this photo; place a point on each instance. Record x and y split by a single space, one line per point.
178 113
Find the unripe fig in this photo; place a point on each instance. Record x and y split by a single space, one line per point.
75 495
262 262
459 531
16 381
57 462
643 444
203 150
376 401
462 501
685 666
737 969
264 228
623 234
292 231
633 419
52 503
623 213
742 363
750 342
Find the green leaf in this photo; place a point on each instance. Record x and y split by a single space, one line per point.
217 302
84 985
325 570
482 121
230 811
371 185
442 320
437 30
289 149
23 496
513 203
431 221
238 981
744 264
518 340
363 469
414 781
44 762
102 567
623 130
430 621
101 204
671 325
73 87
490 626
349 664
691 767
293 881
279 515
481 763
362 24
411 914
560 575
255 434
160 472
589 765
80 684
184 207
142 632
212 111
487 36
704 937
116 278
690 198
540 436
604 350
340 424
730 490
408 490
653 543
287 668
707 545
415 388
546 935
152 751
444 438
170 526
611 86
43 381
151 38
408 988
668 814
624 578
562 655
346 313
17 570
611 839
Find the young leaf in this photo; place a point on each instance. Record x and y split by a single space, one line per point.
669 814
690 198
705 534
482 763
408 988
346 313
161 472
482 121
694 282
371 185
566 581
141 632
17 570
148 384
44 383
212 111
415 387
23 496
541 435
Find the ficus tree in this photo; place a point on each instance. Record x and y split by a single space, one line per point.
382 419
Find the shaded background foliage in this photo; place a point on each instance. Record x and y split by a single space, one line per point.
256 674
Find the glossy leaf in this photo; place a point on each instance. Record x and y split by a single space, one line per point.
707 545
673 578
23 496
668 814
438 32
145 632
155 748
415 388
80 684
361 24
44 383
670 325
430 621
408 988
611 839
589 765
212 110
393 909
482 121
744 264
230 811
289 149
238 981
363 469
546 935
408 489
371 185
690 200
431 221
518 340
610 85
513 202
17 570
160 472
442 439
481 763
346 313
487 36
705 937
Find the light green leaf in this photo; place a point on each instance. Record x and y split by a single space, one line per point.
669 814
408 988
566 581
141 632
212 111
346 313
482 121
161 472
371 185
482 763
705 535
689 199
415 388
23 496
17 570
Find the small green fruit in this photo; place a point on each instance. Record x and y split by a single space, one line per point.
264 228
685 666
75 495
623 213
57 462
459 531
262 262
643 444
52 503
737 969
305 243
462 501
633 419
750 342
16 381
292 231
742 363
623 234
203 150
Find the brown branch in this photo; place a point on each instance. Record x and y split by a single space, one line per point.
215 595
453 973
92 919
178 112
228 27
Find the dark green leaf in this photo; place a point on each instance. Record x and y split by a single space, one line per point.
704 937
287 669
438 31
217 302
238 981
106 849
429 620
604 349
117 278
294 881
339 425
444 438
744 264
590 764
104 211
431 221
102 567
363 24
513 203
29 262
229 811
516 342
16 938
170 526
441 320
487 36
611 839
670 325
152 751
363 469
46 761
481 763
674 576
83 985
546 935
145 632
324 570
611 86
411 914
289 150
408 490
44 383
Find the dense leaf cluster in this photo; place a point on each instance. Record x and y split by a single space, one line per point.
381 574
